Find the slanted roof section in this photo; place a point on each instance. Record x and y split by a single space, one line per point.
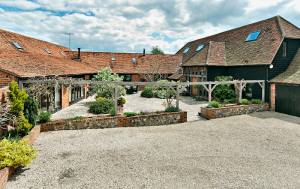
236 50
292 74
129 63
32 60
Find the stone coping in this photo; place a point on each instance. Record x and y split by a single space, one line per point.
232 110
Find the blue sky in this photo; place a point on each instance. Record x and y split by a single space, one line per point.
131 25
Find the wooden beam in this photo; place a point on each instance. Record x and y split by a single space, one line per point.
177 97
116 98
209 92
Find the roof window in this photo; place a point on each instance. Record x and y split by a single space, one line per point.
47 51
186 50
200 47
253 36
17 45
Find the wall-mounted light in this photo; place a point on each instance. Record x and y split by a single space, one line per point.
271 66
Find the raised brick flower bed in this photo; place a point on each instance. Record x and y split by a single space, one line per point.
232 110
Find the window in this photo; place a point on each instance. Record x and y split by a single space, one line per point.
186 50
253 36
200 47
47 50
284 49
17 45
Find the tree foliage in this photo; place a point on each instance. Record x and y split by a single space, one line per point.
31 110
17 98
225 91
157 50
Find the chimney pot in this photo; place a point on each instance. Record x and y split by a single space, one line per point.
78 54
144 52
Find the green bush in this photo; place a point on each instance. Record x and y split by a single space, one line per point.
256 101
121 101
31 110
226 91
113 112
147 92
22 125
214 104
230 101
44 117
15 153
101 106
245 102
130 114
172 109
16 99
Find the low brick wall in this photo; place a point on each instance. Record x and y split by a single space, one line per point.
6 172
213 113
102 122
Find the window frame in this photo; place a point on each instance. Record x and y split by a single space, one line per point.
250 36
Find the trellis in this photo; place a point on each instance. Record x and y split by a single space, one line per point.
209 86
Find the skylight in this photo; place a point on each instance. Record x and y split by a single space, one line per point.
17 45
47 50
200 47
186 50
253 36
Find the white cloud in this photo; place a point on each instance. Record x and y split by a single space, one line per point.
21 4
254 5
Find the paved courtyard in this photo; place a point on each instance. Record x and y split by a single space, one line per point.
260 150
135 103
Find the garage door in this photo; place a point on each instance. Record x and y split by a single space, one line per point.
288 99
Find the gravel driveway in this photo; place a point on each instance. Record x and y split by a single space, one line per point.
260 150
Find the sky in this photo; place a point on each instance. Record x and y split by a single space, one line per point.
131 25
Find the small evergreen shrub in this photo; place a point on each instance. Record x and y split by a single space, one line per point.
214 104
130 114
16 99
101 106
256 101
147 92
121 101
22 125
44 117
15 153
172 109
31 110
245 102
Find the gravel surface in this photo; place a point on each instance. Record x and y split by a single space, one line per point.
260 150
135 103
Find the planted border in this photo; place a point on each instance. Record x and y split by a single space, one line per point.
232 110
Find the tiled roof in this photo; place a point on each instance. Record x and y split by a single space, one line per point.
292 74
230 48
123 62
33 60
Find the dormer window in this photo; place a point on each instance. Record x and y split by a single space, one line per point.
17 45
47 51
200 47
253 36
186 50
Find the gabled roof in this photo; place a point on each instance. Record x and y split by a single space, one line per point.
292 74
229 48
33 60
126 63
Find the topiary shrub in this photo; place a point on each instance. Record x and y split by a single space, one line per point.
214 104
245 102
226 91
147 92
16 99
256 101
101 106
44 117
130 114
22 125
15 153
121 101
172 109
31 110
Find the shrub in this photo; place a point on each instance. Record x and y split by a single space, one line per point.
226 91
16 99
214 104
245 102
230 101
101 106
44 117
22 125
147 92
256 101
15 153
113 112
172 109
31 110
130 114
121 101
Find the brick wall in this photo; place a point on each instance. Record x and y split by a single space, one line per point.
194 87
273 96
64 96
135 77
6 78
